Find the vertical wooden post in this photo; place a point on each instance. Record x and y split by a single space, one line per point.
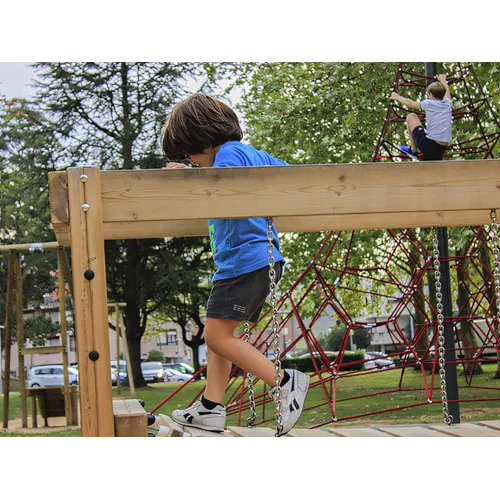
8 339
64 334
20 339
117 324
90 301
127 356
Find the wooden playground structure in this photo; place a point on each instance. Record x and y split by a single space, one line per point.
89 206
51 401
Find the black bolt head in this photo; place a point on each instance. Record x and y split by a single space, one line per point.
89 274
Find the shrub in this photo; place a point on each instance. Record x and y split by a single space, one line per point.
155 355
306 364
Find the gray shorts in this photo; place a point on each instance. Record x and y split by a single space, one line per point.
241 298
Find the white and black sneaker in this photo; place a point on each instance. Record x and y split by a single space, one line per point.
292 395
202 418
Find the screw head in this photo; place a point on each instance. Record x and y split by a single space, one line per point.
85 207
84 177
89 274
93 355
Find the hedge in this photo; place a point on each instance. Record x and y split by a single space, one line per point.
306 364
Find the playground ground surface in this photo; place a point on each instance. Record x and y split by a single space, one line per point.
427 414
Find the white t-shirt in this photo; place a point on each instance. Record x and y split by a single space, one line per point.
438 118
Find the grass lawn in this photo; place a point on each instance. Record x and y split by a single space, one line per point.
347 387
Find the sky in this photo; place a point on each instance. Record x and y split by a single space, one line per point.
15 79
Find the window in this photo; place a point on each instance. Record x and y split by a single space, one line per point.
171 337
72 344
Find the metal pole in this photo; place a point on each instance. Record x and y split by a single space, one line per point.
449 335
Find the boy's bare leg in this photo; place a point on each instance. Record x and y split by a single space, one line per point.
220 340
412 122
218 370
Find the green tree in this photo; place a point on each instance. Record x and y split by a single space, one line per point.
362 338
155 355
110 115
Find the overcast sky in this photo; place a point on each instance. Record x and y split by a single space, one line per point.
15 79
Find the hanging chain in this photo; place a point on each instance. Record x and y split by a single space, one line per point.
448 419
276 335
496 263
251 392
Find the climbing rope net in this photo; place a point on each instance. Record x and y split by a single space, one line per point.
395 295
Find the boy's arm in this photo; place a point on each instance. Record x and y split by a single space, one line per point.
405 101
442 79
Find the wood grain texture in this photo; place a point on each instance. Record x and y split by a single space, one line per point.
130 418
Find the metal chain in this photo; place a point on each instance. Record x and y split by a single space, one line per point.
276 335
496 263
448 419
251 392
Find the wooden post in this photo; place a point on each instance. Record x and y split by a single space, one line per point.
117 324
127 356
8 339
90 301
20 339
64 334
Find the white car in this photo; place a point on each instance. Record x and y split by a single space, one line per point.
173 375
383 361
50 376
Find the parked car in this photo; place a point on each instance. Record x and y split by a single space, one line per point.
180 367
153 371
173 375
383 362
50 375
114 376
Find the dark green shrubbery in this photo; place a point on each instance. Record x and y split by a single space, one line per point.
306 364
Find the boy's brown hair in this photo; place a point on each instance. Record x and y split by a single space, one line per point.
437 89
197 123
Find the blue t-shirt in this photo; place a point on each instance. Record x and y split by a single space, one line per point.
239 246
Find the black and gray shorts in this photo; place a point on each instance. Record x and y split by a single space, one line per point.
241 298
430 149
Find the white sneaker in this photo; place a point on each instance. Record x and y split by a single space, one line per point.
202 418
292 396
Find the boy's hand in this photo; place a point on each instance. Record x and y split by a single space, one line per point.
394 96
175 165
442 78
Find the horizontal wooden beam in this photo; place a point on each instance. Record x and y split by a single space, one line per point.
29 247
161 203
43 350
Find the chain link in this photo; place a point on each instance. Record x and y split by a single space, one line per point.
251 392
496 263
275 325
448 419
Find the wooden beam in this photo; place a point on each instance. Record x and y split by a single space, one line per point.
161 203
303 224
9 319
90 303
29 247
59 206
43 350
186 194
20 340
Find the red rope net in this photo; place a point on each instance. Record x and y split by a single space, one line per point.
396 281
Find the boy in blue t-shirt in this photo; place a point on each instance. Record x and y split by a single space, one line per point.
433 141
208 132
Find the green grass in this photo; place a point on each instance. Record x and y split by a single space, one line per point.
346 387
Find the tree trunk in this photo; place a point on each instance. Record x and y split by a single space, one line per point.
132 315
194 343
463 304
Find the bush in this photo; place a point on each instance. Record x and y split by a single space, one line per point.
306 364
155 355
